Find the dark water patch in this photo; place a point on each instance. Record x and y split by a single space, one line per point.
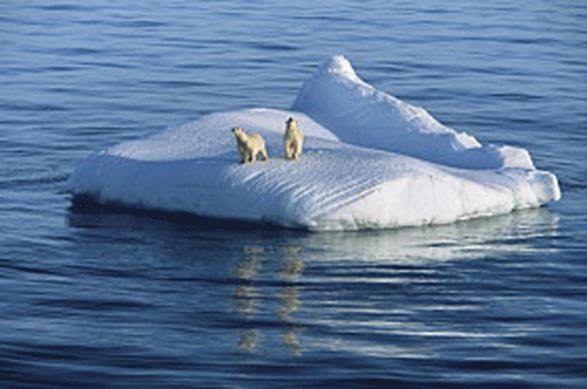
77 51
575 62
179 83
114 273
61 69
570 185
92 304
104 64
193 66
516 97
16 266
35 181
32 107
324 18
273 47
149 24
67 7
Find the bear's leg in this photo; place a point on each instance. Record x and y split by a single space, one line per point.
264 155
241 152
289 151
294 150
299 148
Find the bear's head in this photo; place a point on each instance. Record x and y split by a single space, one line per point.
239 132
291 123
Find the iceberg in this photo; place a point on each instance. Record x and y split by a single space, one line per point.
370 161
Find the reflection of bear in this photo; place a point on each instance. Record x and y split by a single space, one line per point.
293 140
249 145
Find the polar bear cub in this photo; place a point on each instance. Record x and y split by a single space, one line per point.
249 145
293 140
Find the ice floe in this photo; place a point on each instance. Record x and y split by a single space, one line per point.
370 161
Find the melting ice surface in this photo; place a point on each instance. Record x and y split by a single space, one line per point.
370 161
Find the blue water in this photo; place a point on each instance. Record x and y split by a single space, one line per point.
107 297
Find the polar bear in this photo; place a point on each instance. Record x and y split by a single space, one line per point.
249 145
293 140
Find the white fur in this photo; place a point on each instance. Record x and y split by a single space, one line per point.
249 145
293 140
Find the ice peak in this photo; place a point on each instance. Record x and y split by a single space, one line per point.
339 65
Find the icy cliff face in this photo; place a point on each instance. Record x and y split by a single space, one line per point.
370 161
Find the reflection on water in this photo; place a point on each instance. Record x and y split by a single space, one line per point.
374 292
247 296
463 240
520 231
289 297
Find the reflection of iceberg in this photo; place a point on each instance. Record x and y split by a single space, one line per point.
326 269
471 239
371 161
513 232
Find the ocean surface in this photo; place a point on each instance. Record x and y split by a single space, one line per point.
106 297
